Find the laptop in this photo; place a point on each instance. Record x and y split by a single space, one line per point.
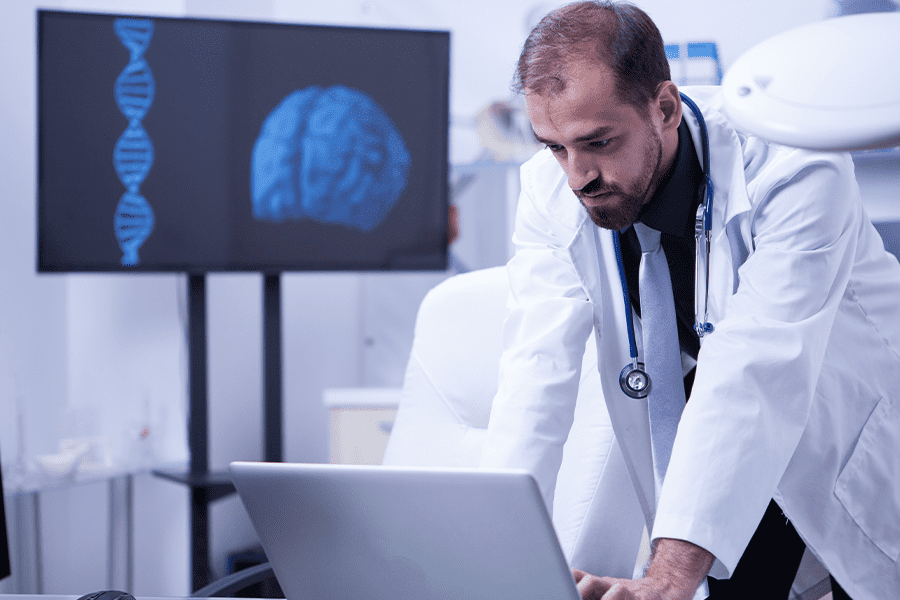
404 533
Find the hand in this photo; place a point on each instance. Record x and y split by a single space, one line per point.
676 570
592 587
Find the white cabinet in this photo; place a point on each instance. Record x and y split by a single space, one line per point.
359 423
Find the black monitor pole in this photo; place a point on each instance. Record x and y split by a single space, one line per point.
206 487
198 376
199 477
272 425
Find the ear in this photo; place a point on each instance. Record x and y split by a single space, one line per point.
668 102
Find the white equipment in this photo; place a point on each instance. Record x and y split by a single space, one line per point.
831 85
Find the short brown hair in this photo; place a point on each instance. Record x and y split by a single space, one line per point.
619 34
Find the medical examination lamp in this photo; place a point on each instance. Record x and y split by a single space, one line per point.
831 85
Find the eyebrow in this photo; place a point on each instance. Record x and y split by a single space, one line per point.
593 135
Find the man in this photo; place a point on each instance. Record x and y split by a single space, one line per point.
794 404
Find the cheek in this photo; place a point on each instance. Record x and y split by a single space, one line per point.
617 170
636 163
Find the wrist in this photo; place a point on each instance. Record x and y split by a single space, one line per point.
677 568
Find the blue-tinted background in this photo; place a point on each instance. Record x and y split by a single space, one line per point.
216 81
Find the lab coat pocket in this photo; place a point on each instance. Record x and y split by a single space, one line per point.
868 485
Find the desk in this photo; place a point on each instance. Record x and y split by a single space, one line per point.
75 597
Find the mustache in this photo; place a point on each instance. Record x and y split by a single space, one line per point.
595 188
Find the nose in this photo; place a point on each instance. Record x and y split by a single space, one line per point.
580 170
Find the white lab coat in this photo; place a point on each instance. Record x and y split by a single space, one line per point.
797 391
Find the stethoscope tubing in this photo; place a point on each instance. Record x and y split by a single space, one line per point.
703 226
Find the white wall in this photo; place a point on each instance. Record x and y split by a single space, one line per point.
33 357
72 347
113 346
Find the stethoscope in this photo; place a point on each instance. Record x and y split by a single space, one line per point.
634 379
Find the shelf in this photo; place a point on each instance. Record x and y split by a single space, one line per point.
36 481
217 484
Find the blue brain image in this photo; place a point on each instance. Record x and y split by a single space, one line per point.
331 155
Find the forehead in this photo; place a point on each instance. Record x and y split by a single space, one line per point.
589 100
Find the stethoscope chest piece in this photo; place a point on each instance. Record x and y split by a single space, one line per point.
634 381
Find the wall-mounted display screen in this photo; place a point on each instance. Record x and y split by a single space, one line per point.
169 144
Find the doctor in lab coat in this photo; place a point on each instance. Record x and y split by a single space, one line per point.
796 395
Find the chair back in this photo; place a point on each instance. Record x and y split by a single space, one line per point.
445 406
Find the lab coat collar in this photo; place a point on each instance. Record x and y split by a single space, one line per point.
730 200
726 161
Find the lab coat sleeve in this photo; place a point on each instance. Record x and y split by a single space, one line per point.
544 339
758 371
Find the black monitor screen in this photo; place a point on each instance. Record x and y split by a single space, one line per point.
198 145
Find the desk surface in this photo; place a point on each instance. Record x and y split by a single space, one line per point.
75 597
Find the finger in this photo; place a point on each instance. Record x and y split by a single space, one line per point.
614 593
579 575
591 587
585 589
618 591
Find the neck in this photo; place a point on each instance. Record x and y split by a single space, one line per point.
669 151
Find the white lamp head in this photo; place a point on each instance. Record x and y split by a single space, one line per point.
831 85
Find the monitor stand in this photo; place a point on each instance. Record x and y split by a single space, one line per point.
205 486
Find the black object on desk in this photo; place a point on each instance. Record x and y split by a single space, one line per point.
108 595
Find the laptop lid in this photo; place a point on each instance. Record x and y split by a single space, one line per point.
397 533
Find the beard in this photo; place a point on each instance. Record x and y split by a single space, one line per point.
622 206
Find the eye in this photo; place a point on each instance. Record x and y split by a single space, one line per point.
554 148
601 143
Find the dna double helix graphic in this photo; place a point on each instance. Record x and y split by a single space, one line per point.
133 152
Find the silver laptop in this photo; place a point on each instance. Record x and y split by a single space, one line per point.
395 533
